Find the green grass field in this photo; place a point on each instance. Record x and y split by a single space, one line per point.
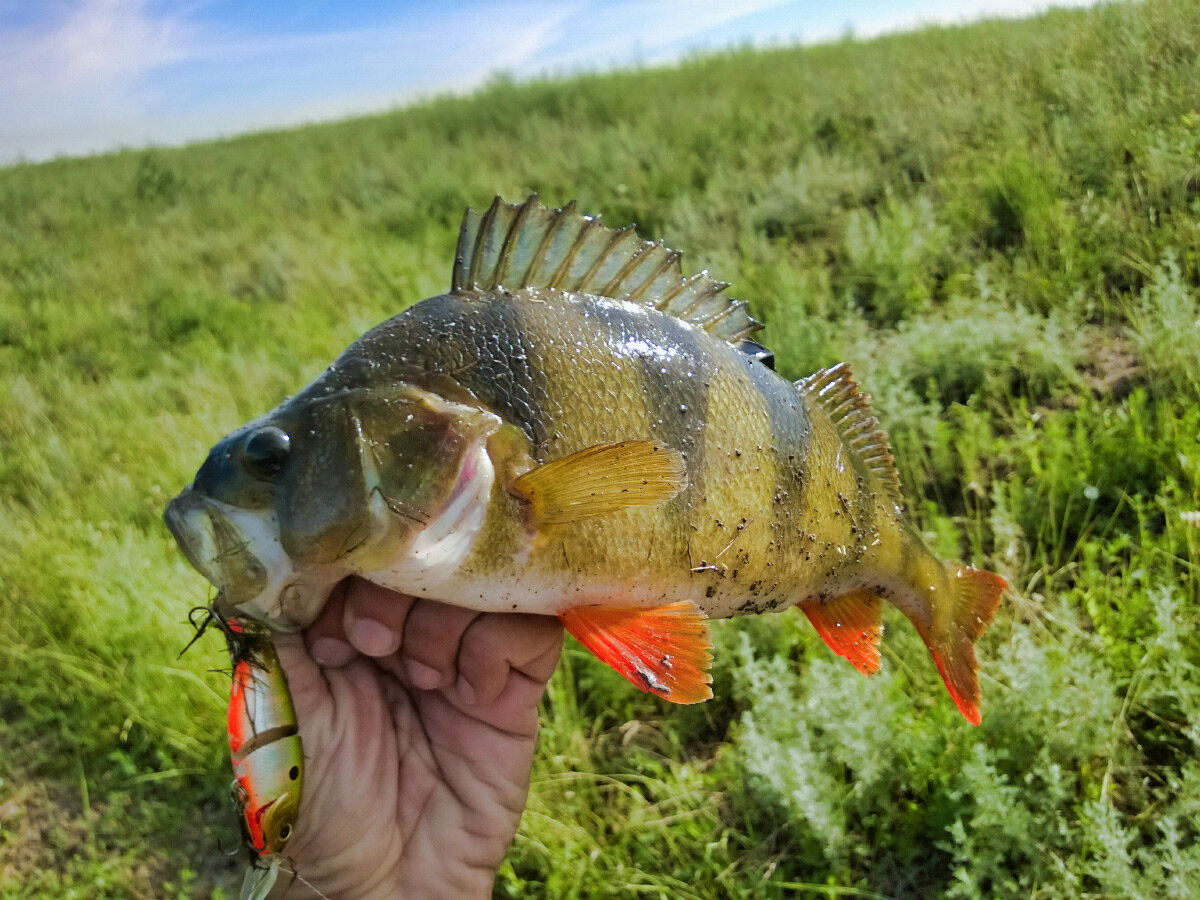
998 226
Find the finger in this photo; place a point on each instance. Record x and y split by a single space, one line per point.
543 646
306 684
325 637
432 636
495 646
374 617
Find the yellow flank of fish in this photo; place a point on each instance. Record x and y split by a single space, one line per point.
578 429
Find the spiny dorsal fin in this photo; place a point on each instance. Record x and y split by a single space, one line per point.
514 246
836 392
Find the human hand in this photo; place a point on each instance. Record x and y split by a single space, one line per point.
419 722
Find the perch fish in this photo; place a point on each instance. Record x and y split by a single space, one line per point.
577 429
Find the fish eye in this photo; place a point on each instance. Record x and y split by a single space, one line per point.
265 451
285 832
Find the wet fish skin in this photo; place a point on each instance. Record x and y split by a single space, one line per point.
416 458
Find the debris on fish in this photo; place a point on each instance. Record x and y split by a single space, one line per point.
578 429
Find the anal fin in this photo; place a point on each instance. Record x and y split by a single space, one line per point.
850 625
662 650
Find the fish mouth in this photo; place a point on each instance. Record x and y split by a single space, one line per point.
215 547
239 552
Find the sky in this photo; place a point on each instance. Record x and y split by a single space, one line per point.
88 76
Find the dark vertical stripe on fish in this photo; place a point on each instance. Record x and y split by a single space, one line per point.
674 367
505 376
477 341
791 431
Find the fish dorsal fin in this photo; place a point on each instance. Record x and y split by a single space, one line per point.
835 391
514 246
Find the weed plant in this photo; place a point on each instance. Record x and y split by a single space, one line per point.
997 225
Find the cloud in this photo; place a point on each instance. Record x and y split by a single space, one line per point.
612 32
84 62
112 63
289 78
99 73
900 17
87 75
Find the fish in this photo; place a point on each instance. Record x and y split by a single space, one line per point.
578 429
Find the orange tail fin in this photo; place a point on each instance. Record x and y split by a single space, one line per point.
976 596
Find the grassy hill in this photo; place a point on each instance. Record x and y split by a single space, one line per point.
998 226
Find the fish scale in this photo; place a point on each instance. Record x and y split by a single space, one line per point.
579 429
667 402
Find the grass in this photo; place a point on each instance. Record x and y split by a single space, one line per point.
996 225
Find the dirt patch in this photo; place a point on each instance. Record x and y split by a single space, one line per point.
1111 367
48 841
34 829
40 831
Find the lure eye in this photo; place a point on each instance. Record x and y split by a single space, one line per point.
265 451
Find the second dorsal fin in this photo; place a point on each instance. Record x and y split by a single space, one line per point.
514 246
836 392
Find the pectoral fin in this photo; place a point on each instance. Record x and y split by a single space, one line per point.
662 650
602 479
850 625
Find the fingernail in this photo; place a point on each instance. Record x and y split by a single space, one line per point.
423 677
331 652
465 691
373 638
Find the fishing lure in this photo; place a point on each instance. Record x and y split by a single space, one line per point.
264 748
266 752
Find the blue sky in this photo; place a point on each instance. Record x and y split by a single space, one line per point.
84 76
